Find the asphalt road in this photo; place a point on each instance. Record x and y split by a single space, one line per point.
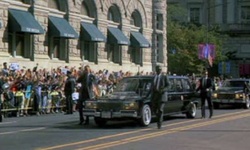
228 130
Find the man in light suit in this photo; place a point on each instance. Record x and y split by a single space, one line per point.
206 87
87 80
158 99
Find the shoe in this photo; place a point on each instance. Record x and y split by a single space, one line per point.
202 117
158 125
86 123
81 122
210 116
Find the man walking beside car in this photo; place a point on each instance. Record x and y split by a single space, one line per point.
86 92
206 87
159 97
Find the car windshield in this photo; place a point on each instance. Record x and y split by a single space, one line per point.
137 85
233 84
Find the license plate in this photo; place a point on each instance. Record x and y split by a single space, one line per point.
225 101
106 114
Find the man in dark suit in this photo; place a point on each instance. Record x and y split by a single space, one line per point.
69 89
158 99
206 87
87 80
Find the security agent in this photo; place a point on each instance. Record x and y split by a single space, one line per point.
206 87
158 99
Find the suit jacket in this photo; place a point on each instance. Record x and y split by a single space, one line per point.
87 82
160 87
205 87
70 84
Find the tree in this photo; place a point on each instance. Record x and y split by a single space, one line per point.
182 42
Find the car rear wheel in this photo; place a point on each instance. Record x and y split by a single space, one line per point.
146 115
191 110
100 121
247 104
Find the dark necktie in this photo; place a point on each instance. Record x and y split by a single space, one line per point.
156 82
204 82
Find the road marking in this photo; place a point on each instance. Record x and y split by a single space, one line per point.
160 133
24 130
2 123
136 131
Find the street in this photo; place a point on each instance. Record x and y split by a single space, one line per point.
227 130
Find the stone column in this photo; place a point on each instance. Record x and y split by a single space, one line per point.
160 7
4 55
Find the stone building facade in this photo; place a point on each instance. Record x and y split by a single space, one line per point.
233 17
128 35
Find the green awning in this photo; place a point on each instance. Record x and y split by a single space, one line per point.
138 40
92 33
60 27
116 36
23 21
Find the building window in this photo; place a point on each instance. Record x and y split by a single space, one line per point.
136 55
159 21
159 46
114 14
53 4
245 14
58 48
194 14
20 44
114 53
84 9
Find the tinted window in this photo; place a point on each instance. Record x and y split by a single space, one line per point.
233 84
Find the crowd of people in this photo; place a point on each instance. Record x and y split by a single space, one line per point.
40 91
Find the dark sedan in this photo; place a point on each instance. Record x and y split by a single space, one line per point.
233 92
131 100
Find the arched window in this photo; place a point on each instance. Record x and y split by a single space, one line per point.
85 9
136 19
53 4
114 14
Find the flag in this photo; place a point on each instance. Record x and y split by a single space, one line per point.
210 60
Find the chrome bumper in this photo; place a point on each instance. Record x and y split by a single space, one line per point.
110 114
229 101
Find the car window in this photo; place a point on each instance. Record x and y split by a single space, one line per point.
179 86
186 85
171 86
127 84
231 83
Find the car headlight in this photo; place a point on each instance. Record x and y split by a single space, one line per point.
239 96
132 105
215 95
91 105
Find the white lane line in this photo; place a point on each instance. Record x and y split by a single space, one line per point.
1 123
24 130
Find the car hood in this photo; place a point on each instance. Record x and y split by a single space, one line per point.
229 90
121 96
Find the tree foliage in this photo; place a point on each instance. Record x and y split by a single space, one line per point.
182 42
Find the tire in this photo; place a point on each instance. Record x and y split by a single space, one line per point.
191 110
247 104
146 115
100 121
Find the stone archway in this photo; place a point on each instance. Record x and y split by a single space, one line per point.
138 6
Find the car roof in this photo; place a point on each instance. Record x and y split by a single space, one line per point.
238 79
151 76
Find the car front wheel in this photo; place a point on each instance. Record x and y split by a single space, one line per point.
146 115
247 104
191 110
